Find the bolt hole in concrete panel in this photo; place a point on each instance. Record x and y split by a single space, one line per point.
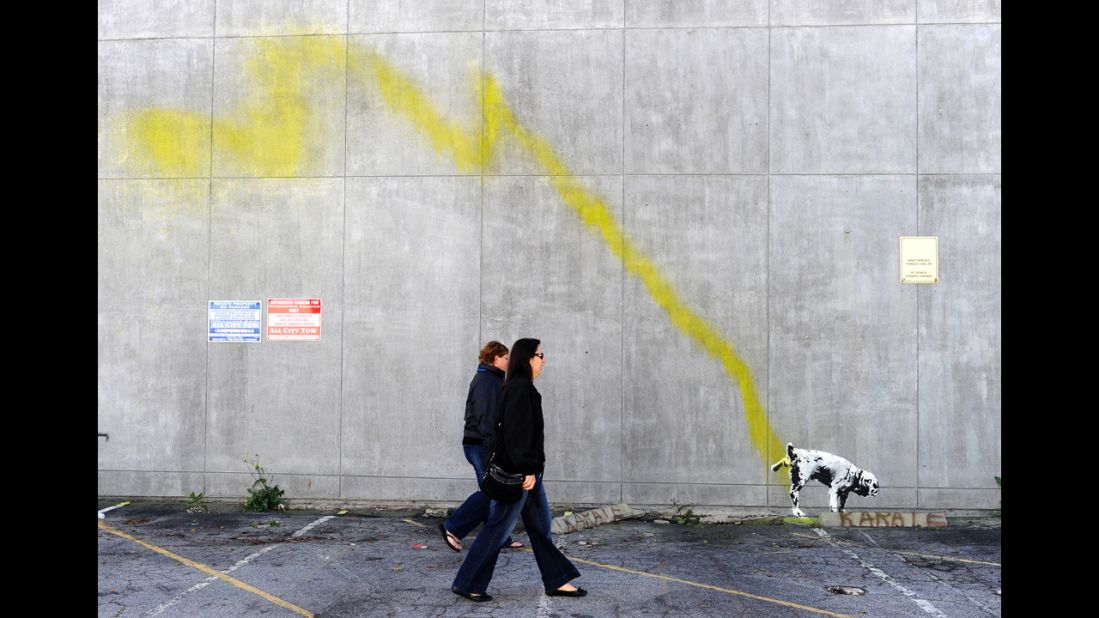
851 590
919 259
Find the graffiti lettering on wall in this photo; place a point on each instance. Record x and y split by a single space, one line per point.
273 131
868 519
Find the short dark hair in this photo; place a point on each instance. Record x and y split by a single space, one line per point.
519 364
491 350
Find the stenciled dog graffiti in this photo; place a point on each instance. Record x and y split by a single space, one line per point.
274 129
841 476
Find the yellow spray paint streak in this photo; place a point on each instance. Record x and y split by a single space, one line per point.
174 141
402 97
402 94
272 134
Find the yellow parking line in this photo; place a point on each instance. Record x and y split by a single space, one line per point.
707 586
209 571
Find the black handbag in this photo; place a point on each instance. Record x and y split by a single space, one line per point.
501 485
498 483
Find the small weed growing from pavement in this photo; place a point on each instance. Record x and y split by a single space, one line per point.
270 523
262 497
684 515
195 504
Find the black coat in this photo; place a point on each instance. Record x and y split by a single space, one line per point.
524 446
482 403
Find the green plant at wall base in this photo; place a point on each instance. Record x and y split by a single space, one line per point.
684 515
195 504
261 496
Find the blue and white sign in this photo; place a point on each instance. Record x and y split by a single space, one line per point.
236 320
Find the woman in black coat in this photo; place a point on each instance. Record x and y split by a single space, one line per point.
519 452
481 408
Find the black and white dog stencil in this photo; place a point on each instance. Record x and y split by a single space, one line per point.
841 476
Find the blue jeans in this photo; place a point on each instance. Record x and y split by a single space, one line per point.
476 571
474 510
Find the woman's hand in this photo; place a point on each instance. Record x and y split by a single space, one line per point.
528 482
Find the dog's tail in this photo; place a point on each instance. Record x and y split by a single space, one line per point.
785 461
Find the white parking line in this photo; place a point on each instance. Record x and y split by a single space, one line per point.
111 508
922 603
243 561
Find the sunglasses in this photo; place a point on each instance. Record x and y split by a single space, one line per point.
541 355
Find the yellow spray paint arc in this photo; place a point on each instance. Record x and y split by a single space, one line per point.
271 135
271 138
397 88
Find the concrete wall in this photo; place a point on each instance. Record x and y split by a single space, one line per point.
762 158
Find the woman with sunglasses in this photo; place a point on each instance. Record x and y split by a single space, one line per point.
520 451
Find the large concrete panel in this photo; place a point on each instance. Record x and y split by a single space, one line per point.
552 14
839 12
420 16
153 237
695 13
843 328
137 76
932 11
696 101
446 68
684 415
138 483
548 276
960 342
153 245
565 87
131 19
843 100
280 106
412 283
277 238
960 97
152 379
264 18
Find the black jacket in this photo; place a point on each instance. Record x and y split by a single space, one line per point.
481 404
521 410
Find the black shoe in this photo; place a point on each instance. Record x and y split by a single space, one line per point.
472 596
579 592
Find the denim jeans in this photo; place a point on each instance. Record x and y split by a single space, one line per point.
476 571
474 510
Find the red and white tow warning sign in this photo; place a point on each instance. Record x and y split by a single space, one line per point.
293 319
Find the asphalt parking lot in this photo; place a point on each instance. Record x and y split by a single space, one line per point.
159 560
